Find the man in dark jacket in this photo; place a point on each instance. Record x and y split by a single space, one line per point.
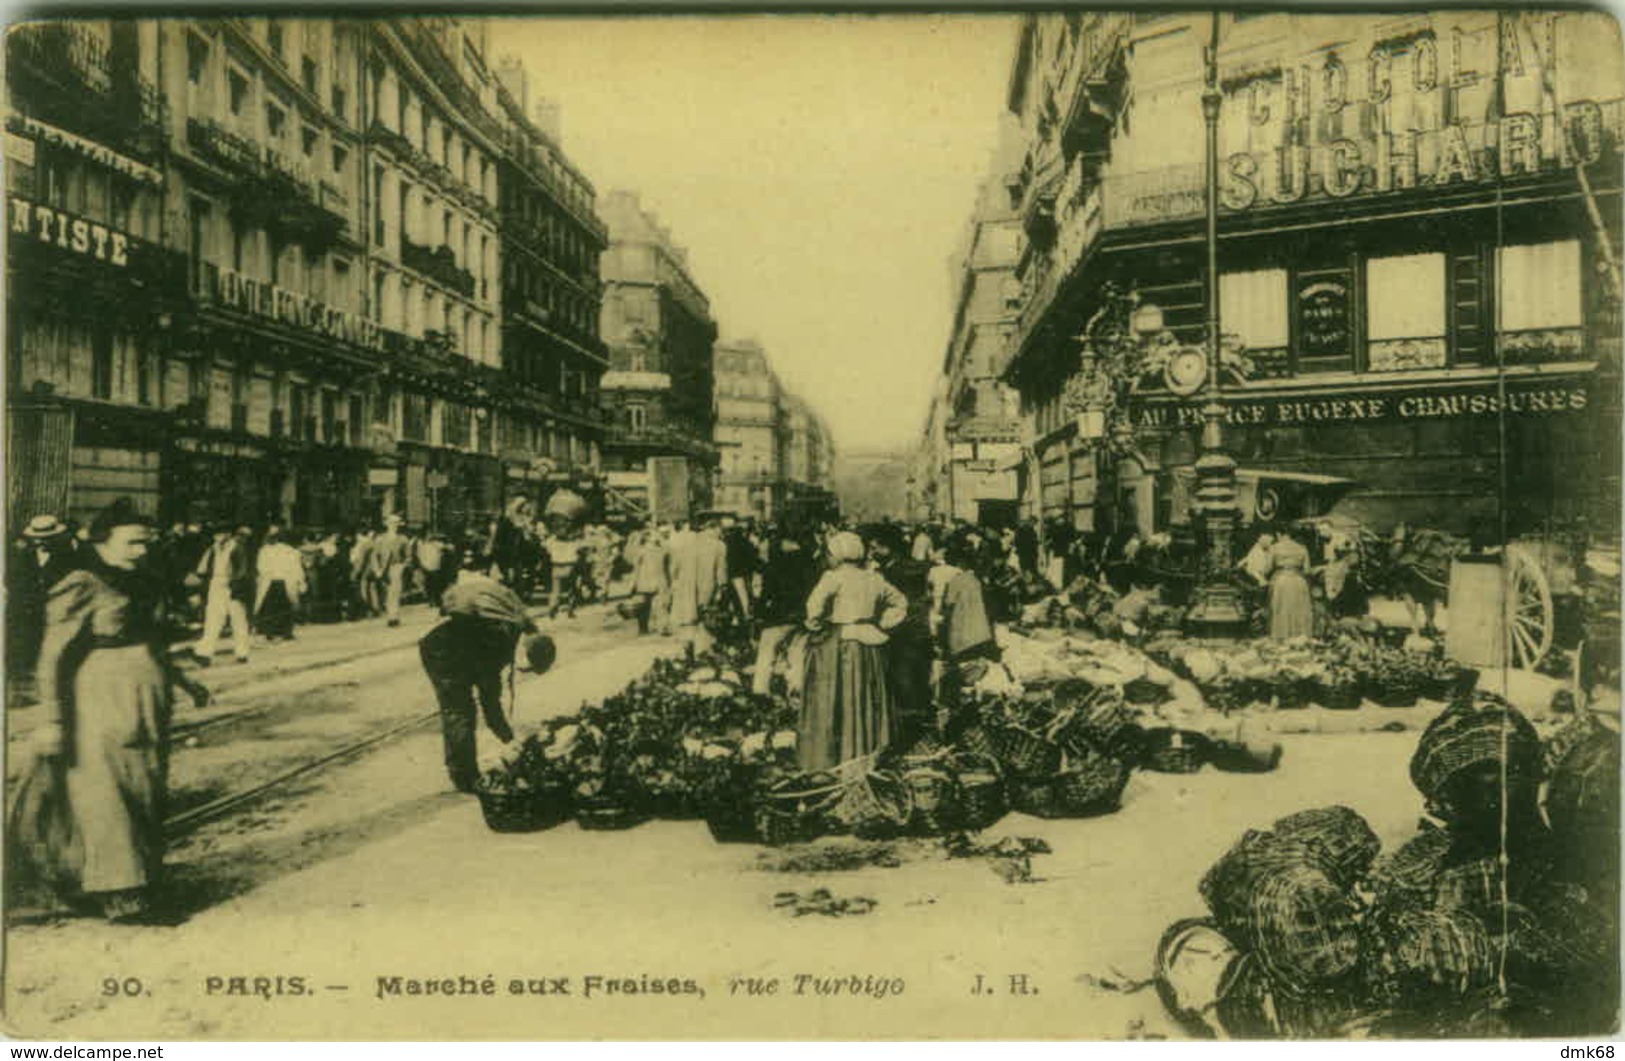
909 650
464 657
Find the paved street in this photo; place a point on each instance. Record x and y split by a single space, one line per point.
320 882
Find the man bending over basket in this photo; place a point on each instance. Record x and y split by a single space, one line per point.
465 656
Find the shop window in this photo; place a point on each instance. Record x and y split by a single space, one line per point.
1405 312
1253 306
1323 303
1539 301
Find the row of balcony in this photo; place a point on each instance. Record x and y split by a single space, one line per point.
273 187
67 75
401 146
570 195
530 231
438 264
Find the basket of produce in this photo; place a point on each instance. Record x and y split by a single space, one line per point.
1175 751
1245 757
1090 784
978 741
1024 753
796 809
607 813
1339 689
1036 796
1144 692
512 805
982 796
934 798
1227 695
1290 693
873 804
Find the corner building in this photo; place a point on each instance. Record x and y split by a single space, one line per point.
1417 216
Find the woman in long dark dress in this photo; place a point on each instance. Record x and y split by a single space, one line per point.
104 682
846 707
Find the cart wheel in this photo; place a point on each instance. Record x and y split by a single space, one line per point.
1529 610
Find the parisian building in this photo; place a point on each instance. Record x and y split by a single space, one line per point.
752 433
659 395
1418 241
551 434
809 462
973 433
300 220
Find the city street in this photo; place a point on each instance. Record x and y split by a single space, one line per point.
318 880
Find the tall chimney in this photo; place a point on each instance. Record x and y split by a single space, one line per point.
512 76
546 117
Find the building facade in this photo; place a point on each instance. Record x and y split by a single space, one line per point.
979 453
1419 230
550 436
299 219
659 395
751 434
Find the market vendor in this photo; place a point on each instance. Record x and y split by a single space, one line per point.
847 709
959 621
465 656
910 663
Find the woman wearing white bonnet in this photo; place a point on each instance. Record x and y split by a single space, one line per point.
846 708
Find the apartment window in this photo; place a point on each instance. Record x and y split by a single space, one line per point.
637 417
143 376
275 121
378 295
378 205
445 229
1253 306
340 158
275 37
355 419
307 73
403 100
383 406
197 58
463 173
445 147
307 141
340 294
1405 312
237 92
415 417
340 102
427 140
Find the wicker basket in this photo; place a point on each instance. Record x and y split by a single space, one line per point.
1194 963
1174 751
608 814
1090 785
1026 754
732 825
1388 695
1239 757
1339 696
1037 797
982 796
1306 927
934 795
1146 693
977 740
1345 841
1291 695
524 811
796 810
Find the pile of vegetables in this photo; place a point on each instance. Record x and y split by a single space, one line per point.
1340 671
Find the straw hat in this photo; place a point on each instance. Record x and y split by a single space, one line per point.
41 527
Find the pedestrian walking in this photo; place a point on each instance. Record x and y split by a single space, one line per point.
105 685
43 557
465 656
368 598
648 577
699 570
435 560
280 586
391 553
228 586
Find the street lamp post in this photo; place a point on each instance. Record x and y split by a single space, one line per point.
1217 610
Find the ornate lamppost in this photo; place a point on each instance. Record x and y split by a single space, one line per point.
1217 610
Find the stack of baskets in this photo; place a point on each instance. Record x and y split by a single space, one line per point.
509 808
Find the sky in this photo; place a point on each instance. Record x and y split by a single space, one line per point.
820 170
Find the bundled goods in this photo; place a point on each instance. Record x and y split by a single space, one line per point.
981 790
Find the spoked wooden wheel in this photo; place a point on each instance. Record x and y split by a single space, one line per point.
1529 610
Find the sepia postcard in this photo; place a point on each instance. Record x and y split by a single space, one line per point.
1073 524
